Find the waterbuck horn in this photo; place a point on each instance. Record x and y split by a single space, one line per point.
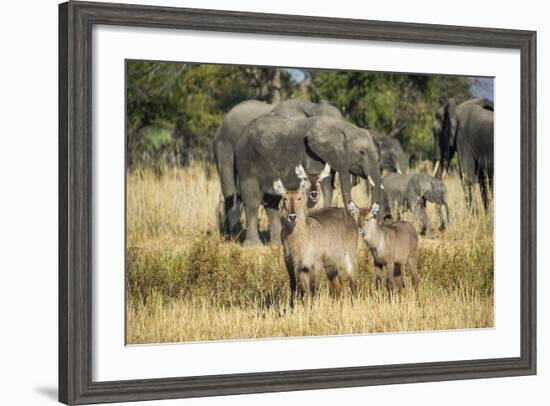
279 187
325 173
300 172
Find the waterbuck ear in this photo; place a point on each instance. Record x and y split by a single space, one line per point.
279 187
325 173
300 172
374 210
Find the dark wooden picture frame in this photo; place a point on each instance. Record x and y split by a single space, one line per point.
76 20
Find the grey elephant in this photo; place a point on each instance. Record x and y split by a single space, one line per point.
225 141
412 191
272 146
299 108
466 130
392 156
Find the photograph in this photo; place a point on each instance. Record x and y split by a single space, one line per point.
275 202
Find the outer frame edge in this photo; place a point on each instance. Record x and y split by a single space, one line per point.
75 24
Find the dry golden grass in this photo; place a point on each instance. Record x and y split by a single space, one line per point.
185 283
198 320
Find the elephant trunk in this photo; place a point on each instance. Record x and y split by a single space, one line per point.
444 213
345 183
371 170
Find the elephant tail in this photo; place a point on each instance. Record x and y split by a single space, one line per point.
224 156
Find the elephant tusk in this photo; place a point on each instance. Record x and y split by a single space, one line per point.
371 181
399 170
436 167
444 173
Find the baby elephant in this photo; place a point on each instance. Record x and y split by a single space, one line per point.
393 245
412 192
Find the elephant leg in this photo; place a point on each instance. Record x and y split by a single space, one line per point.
232 212
251 196
468 193
444 216
271 203
345 184
225 161
484 189
425 224
327 190
252 234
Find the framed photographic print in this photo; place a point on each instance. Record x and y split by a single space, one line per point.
258 202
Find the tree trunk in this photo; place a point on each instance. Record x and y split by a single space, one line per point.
276 86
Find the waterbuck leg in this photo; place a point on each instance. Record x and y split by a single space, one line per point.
351 266
398 273
390 279
413 269
378 275
292 280
314 282
335 281
302 280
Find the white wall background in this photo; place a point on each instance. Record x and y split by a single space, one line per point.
28 200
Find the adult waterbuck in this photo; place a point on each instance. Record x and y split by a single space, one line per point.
324 239
393 246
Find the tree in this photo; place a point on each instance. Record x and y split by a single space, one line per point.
174 109
399 105
269 83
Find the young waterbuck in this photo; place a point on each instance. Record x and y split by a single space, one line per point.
392 245
322 240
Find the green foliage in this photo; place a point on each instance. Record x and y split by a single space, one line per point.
399 105
174 109
189 101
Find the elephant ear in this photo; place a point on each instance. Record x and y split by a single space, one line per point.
487 104
378 141
440 113
450 108
328 144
